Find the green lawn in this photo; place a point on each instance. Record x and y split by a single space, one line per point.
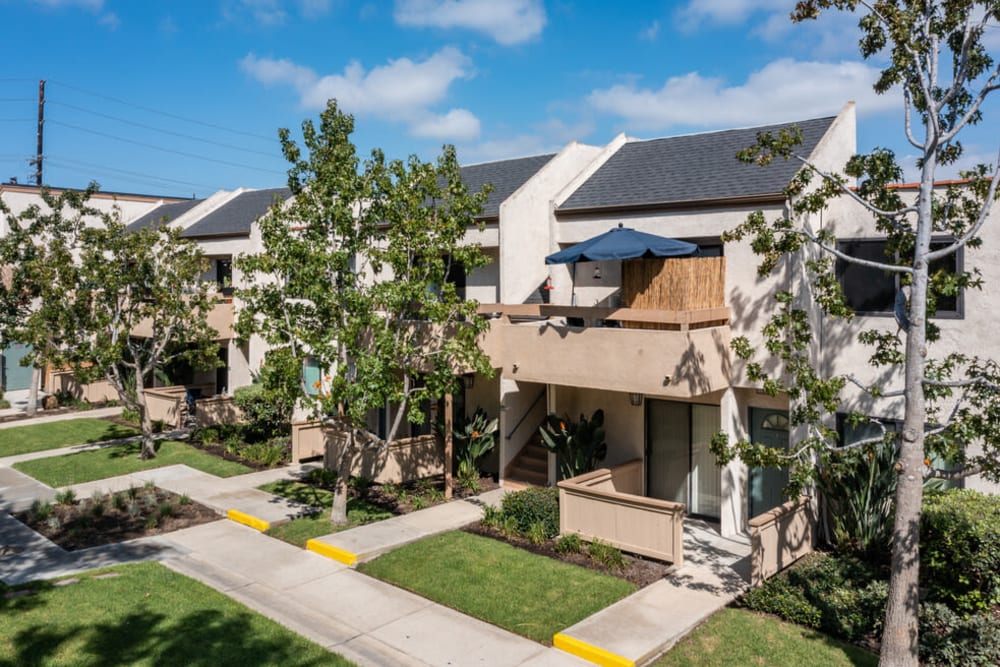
39 437
120 460
525 593
740 637
148 615
301 530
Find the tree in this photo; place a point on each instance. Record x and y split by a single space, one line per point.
109 304
937 59
353 279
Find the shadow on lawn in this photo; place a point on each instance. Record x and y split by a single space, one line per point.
199 639
114 432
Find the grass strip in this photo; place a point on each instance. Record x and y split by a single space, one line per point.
82 467
41 437
301 530
741 637
525 593
146 615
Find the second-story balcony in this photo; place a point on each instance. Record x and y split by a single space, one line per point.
686 355
672 339
220 318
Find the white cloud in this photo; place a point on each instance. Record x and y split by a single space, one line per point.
110 21
548 137
724 12
650 32
266 13
402 90
783 90
456 125
506 21
314 8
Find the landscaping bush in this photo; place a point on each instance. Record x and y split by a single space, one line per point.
960 549
607 555
530 506
949 639
579 446
268 403
474 438
840 595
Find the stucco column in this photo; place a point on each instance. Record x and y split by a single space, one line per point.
733 520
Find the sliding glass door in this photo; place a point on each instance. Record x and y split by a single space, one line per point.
679 464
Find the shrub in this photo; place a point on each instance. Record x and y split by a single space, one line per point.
165 510
208 435
130 415
536 533
946 638
40 510
152 522
492 516
474 439
185 499
326 478
607 555
840 595
535 505
67 497
268 403
118 501
569 544
271 453
960 549
97 509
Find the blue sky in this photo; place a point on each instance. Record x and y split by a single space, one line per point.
184 97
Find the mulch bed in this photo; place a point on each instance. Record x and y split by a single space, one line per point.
639 571
407 497
139 512
219 451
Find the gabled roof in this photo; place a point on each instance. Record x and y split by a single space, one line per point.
163 212
505 175
236 217
690 168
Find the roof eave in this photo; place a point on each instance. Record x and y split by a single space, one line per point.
766 198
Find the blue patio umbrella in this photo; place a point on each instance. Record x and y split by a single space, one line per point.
622 243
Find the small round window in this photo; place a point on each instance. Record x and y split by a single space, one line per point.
775 422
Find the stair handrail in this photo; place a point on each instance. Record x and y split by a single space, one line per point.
525 415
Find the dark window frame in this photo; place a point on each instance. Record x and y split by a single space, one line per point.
958 313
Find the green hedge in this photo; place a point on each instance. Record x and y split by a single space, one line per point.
530 506
960 549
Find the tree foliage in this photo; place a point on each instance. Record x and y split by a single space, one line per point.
111 305
353 278
935 55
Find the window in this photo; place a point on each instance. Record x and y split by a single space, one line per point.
871 291
224 275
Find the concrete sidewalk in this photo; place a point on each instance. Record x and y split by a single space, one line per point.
363 619
42 418
357 545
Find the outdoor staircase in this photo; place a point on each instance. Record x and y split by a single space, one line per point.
530 466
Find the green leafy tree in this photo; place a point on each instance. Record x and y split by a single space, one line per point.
936 57
352 278
108 304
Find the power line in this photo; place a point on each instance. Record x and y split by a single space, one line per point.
162 113
73 164
148 182
157 129
165 150
17 120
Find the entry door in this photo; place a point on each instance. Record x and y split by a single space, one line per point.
679 464
770 428
16 376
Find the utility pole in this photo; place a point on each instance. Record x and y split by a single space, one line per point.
41 132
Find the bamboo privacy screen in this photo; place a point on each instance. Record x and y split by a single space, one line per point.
689 283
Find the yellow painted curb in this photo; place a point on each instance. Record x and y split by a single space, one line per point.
330 551
248 520
591 653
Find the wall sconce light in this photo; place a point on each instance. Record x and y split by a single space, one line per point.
470 380
597 272
635 398
513 367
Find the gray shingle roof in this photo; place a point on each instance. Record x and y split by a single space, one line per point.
505 175
690 168
161 212
235 217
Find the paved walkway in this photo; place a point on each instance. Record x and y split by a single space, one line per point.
370 622
42 418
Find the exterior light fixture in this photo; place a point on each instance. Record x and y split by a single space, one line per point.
597 272
635 398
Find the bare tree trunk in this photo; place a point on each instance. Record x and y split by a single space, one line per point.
338 513
900 638
449 455
36 383
148 445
